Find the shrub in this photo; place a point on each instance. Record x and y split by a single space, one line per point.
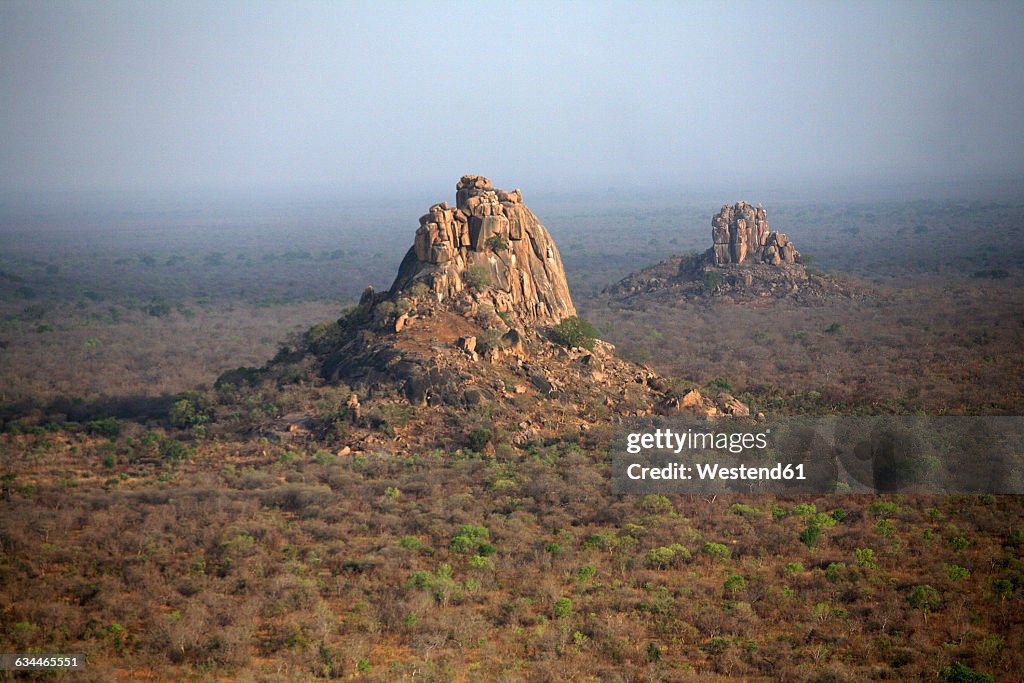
562 609
994 274
481 563
323 337
884 508
479 278
957 573
885 528
716 550
410 543
109 427
655 504
246 375
722 385
479 438
173 450
836 571
186 411
961 673
471 538
810 536
925 598
805 510
735 584
712 281
574 331
419 289
743 510
667 556
497 243
865 557
794 568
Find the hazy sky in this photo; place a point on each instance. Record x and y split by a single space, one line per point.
350 96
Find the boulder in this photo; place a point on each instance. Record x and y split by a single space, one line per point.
521 274
740 234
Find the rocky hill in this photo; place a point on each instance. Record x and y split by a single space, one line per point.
479 318
470 316
747 260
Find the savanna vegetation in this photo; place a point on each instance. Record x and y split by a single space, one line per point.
177 511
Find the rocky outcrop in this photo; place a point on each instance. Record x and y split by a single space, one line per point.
747 260
464 324
489 247
740 234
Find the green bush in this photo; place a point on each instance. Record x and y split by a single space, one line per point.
419 289
323 337
810 536
925 598
865 557
187 411
716 550
110 427
884 508
479 278
805 510
961 673
562 609
743 510
479 438
246 375
836 571
655 504
574 331
735 584
667 556
497 243
173 450
471 538
957 573
721 384
712 281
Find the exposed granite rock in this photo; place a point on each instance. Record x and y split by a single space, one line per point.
489 248
740 234
441 337
747 260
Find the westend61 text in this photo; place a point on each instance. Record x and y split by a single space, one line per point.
704 471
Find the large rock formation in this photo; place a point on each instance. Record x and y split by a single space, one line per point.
740 234
492 247
464 324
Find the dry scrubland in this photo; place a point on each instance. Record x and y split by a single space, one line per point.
181 537
950 350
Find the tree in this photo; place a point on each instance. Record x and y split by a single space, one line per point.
575 331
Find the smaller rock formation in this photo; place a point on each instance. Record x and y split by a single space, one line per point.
747 260
740 234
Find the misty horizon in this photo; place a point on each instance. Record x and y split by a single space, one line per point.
348 100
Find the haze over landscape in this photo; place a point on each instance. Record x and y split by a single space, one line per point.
324 327
349 98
